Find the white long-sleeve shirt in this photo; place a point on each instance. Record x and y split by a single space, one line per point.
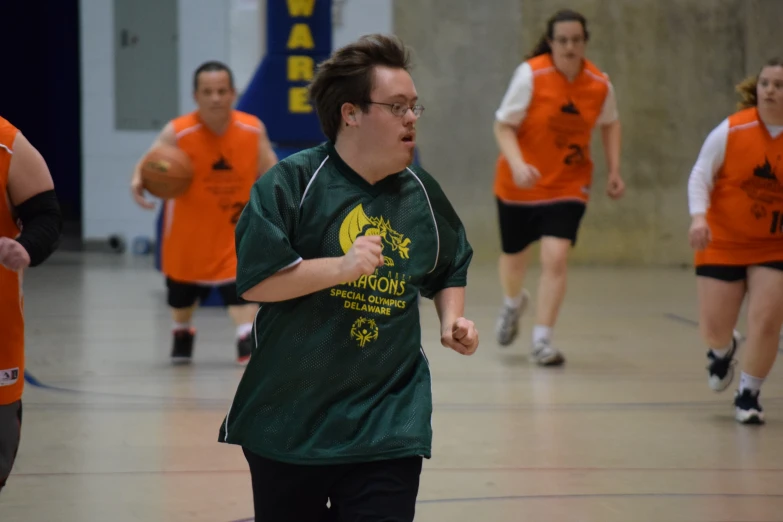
517 98
713 152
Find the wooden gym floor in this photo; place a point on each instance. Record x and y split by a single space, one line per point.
627 431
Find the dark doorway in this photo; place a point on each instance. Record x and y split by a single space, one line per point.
40 93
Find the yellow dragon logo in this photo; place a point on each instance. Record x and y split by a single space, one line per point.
358 223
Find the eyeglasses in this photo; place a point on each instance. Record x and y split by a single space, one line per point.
563 40
400 109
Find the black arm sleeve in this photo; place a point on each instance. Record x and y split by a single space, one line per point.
41 226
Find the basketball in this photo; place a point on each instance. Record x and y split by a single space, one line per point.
166 172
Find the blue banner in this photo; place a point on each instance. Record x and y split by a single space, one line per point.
299 26
299 36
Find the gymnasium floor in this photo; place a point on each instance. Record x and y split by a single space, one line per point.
626 431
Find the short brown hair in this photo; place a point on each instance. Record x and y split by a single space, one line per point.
347 77
747 87
212 66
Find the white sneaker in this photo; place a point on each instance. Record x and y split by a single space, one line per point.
507 326
544 354
747 409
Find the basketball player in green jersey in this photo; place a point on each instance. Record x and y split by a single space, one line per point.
336 243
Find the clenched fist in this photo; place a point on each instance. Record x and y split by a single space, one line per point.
462 336
525 175
615 186
363 258
13 256
699 234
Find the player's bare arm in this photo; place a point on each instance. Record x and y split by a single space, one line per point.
266 155
313 275
31 192
611 138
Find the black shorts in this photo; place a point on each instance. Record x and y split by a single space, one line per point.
10 434
731 273
523 224
381 490
185 295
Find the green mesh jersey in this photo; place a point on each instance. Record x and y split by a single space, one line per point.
339 375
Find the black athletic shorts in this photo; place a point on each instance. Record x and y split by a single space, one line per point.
382 490
10 432
523 224
185 295
731 273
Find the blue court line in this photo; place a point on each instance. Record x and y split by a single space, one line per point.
29 379
480 407
35 382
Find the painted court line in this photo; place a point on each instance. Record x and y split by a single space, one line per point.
695 324
586 495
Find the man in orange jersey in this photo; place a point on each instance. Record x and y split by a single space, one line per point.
544 171
735 198
30 225
229 150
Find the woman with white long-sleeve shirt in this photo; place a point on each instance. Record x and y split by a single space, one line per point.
544 172
735 196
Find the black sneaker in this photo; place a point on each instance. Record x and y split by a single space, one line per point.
244 349
747 408
721 369
182 346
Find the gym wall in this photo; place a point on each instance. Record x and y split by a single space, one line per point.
674 64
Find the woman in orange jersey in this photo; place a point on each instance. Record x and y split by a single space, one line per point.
543 174
735 195
30 224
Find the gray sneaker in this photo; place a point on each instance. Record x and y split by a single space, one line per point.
507 326
544 354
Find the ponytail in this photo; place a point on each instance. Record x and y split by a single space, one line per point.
747 92
542 47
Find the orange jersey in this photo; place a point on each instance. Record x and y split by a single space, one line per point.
11 302
198 227
555 134
745 214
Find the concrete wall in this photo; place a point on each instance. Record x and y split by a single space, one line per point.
674 64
